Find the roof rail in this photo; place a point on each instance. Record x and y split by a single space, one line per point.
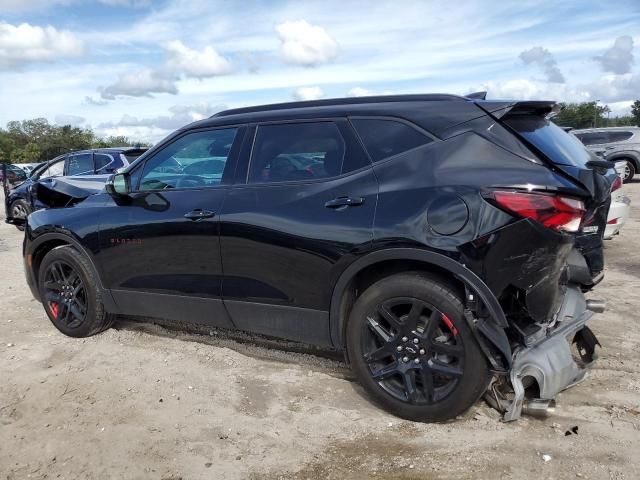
342 101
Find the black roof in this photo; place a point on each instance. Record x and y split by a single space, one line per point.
431 97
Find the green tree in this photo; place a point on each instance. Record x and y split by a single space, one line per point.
582 115
635 112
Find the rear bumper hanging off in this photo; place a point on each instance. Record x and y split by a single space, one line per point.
550 361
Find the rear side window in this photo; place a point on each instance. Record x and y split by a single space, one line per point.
619 136
297 151
559 146
593 138
81 164
386 138
107 163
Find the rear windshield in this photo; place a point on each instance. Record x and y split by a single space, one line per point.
559 146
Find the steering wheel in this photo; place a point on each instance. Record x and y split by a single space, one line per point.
190 181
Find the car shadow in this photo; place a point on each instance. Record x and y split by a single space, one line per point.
257 346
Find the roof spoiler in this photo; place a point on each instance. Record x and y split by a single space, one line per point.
477 96
539 108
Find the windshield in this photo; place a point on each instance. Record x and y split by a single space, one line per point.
559 146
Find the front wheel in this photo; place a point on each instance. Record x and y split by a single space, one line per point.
412 350
21 210
69 293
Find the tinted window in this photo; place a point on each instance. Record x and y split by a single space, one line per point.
619 136
386 138
297 151
81 164
592 138
106 163
559 146
195 160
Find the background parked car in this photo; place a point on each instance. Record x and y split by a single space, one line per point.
28 167
20 201
12 174
614 144
620 205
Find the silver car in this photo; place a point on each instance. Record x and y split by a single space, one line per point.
615 144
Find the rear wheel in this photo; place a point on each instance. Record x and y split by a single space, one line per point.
69 294
20 209
629 171
412 350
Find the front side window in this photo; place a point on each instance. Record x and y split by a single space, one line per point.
297 151
385 138
54 169
81 164
195 160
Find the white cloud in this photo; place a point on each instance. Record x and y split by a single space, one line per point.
619 58
306 44
73 120
543 58
180 61
153 128
308 93
94 101
194 63
25 43
140 83
364 92
127 3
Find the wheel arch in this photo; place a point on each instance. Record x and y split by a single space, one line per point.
46 242
395 260
626 155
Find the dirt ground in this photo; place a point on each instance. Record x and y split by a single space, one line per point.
143 401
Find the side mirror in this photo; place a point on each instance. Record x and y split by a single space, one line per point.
118 185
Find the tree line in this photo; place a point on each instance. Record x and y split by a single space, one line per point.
592 115
37 140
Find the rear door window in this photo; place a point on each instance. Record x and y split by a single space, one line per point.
385 138
619 136
81 164
297 151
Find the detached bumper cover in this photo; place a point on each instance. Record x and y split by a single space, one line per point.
550 360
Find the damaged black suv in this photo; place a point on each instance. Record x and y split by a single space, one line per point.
443 243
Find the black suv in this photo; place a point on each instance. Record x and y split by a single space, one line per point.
431 238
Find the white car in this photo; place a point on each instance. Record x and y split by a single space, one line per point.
620 205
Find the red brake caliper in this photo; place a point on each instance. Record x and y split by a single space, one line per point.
54 308
449 324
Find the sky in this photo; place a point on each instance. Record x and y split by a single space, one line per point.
143 68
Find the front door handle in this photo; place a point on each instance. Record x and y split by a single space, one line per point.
343 202
199 214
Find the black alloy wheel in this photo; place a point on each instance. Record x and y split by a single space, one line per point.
70 294
413 350
65 294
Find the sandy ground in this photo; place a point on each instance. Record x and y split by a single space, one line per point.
142 401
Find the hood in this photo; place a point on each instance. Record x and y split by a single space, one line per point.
65 191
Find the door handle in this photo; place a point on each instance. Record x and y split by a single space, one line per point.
343 202
198 214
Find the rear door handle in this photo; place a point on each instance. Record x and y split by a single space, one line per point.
198 214
343 202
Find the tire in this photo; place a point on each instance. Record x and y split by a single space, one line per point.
69 295
20 209
433 380
629 171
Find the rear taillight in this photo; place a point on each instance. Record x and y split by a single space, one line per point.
553 211
617 184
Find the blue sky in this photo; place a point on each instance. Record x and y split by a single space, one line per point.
143 68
